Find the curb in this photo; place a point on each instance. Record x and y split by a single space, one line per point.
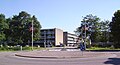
48 57
81 55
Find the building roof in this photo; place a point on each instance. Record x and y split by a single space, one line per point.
51 29
71 33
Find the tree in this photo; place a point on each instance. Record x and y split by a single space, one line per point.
115 29
3 26
104 31
90 24
20 28
37 28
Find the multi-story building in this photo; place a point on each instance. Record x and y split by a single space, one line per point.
51 37
69 39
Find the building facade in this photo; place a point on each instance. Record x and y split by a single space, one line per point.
69 39
52 37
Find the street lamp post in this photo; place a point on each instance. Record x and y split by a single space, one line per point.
32 34
85 36
45 39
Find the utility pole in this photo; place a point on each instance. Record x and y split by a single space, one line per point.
32 35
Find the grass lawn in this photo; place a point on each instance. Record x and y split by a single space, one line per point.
101 48
19 49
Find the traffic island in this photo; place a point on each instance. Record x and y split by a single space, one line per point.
61 54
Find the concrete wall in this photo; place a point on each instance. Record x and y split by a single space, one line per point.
58 36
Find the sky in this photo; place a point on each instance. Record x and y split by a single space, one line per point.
63 14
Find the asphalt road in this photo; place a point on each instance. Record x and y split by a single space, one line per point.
8 58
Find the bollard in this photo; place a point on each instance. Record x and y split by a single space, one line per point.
21 48
1 45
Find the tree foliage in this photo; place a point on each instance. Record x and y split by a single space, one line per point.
115 28
91 22
17 28
96 30
104 31
3 26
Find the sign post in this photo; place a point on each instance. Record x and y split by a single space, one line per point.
82 47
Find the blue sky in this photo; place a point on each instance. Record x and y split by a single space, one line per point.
63 14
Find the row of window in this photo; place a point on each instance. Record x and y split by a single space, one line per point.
47 37
48 41
47 32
